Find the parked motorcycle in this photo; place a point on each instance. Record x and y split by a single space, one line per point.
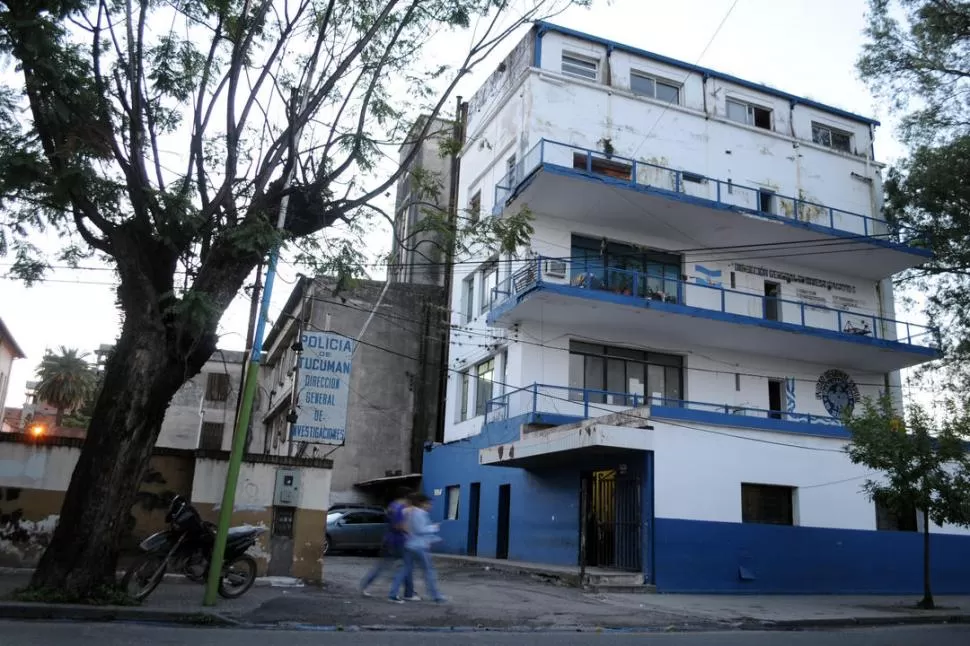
186 548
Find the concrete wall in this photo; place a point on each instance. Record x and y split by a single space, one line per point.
33 478
392 408
6 365
418 249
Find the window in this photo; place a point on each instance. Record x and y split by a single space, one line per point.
510 171
484 376
451 502
465 391
468 298
894 518
622 372
580 66
654 88
748 114
601 166
217 387
624 268
475 207
489 283
767 504
696 178
211 438
831 138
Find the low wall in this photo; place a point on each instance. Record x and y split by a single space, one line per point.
35 474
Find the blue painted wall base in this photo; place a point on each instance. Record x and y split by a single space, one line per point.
688 556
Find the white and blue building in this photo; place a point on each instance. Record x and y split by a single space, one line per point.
707 287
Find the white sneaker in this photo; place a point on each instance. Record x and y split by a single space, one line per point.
413 597
364 593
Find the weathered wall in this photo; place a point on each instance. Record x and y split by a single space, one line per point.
33 479
393 390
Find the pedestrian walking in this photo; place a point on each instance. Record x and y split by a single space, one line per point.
421 535
392 550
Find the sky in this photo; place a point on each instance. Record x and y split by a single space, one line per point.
805 47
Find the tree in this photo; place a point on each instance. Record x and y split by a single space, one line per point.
167 138
922 466
66 381
917 59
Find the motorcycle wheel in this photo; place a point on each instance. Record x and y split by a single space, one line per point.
145 573
237 577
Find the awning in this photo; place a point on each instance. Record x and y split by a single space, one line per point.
558 446
388 480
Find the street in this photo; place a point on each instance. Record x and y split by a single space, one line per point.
117 634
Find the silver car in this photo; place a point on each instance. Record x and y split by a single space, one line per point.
355 528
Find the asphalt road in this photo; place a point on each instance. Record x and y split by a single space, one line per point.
118 634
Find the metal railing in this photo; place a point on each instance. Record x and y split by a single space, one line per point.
638 285
589 403
721 193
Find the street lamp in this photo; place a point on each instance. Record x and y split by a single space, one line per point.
37 430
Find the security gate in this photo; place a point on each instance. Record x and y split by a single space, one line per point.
613 520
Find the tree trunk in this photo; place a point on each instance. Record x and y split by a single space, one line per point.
927 601
141 377
59 418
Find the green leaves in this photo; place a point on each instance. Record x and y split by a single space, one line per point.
917 59
921 463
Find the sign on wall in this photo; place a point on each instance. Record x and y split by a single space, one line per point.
323 388
790 277
838 392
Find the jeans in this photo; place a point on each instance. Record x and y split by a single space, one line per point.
389 558
414 558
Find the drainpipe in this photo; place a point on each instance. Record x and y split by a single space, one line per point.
537 47
704 79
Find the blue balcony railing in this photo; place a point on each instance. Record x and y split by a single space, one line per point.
559 400
585 403
719 193
639 286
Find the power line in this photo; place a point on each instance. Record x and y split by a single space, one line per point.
704 51
603 409
506 339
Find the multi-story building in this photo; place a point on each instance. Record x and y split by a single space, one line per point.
420 245
9 352
659 375
391 392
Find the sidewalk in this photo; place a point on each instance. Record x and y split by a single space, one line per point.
493 600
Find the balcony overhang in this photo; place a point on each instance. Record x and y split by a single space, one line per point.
729 231
609 435
689 327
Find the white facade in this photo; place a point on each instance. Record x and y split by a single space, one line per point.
788 200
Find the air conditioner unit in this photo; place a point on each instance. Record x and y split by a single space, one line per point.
554 268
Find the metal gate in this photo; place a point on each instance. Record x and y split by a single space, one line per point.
613 534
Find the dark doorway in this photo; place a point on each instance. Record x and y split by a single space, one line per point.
474 501
613 537
776 398
766 201
504 505
772 306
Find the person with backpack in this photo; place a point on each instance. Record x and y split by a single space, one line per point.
392 550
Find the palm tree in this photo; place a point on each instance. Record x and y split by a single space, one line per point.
66 380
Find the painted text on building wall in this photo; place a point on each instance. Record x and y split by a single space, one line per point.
322 389
793 278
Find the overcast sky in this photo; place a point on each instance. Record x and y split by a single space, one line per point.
805 47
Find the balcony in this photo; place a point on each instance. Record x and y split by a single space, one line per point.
561 405
692 315
702 212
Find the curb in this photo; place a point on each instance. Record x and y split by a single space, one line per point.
852 622
78 612
261 581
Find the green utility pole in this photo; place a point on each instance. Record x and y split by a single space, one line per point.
251 381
